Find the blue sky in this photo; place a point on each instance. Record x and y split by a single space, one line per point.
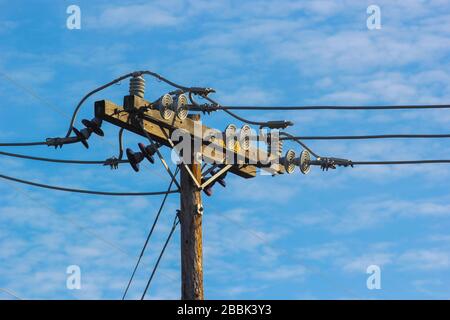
286 237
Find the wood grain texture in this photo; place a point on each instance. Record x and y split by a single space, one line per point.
191 236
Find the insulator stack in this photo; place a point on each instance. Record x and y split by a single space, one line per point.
179 106
164 106
304 162
137 86
245 137
288 161
229 136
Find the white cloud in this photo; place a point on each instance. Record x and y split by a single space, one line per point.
292 273
324 251
429 287
354 257
325 63
140 16
425 259
369 213
360 264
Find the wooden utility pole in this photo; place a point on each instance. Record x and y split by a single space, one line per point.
191 209
191 232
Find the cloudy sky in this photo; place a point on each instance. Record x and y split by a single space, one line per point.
287 237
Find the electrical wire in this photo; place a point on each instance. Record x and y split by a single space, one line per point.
22 156
102 193
163 79
33 94
256 123
331 163
218 106
384 136
68 220
23 144
149 235
400 162
120 156
176 222
77 108
11 293
286 108
299 142
50 142
117 80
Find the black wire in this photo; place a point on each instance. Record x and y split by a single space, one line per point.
256 123
217 105
75 112
149 235
299 142
334 107
297 139
23 144
22 156
120 144
362 163
159 77
103 193
175 224
117 80
384 136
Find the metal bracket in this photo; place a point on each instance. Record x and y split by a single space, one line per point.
199 210
210 169
216 176
184 164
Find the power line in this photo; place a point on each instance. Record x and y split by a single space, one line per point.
11 293
23 144
216 106
383 136
149 235
22 156
77 108
128 75
299 142
174 226
104 193
234 115
50 142
327 163
33 94
120 144
400 162
79 226
344 162
287 108
57 142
